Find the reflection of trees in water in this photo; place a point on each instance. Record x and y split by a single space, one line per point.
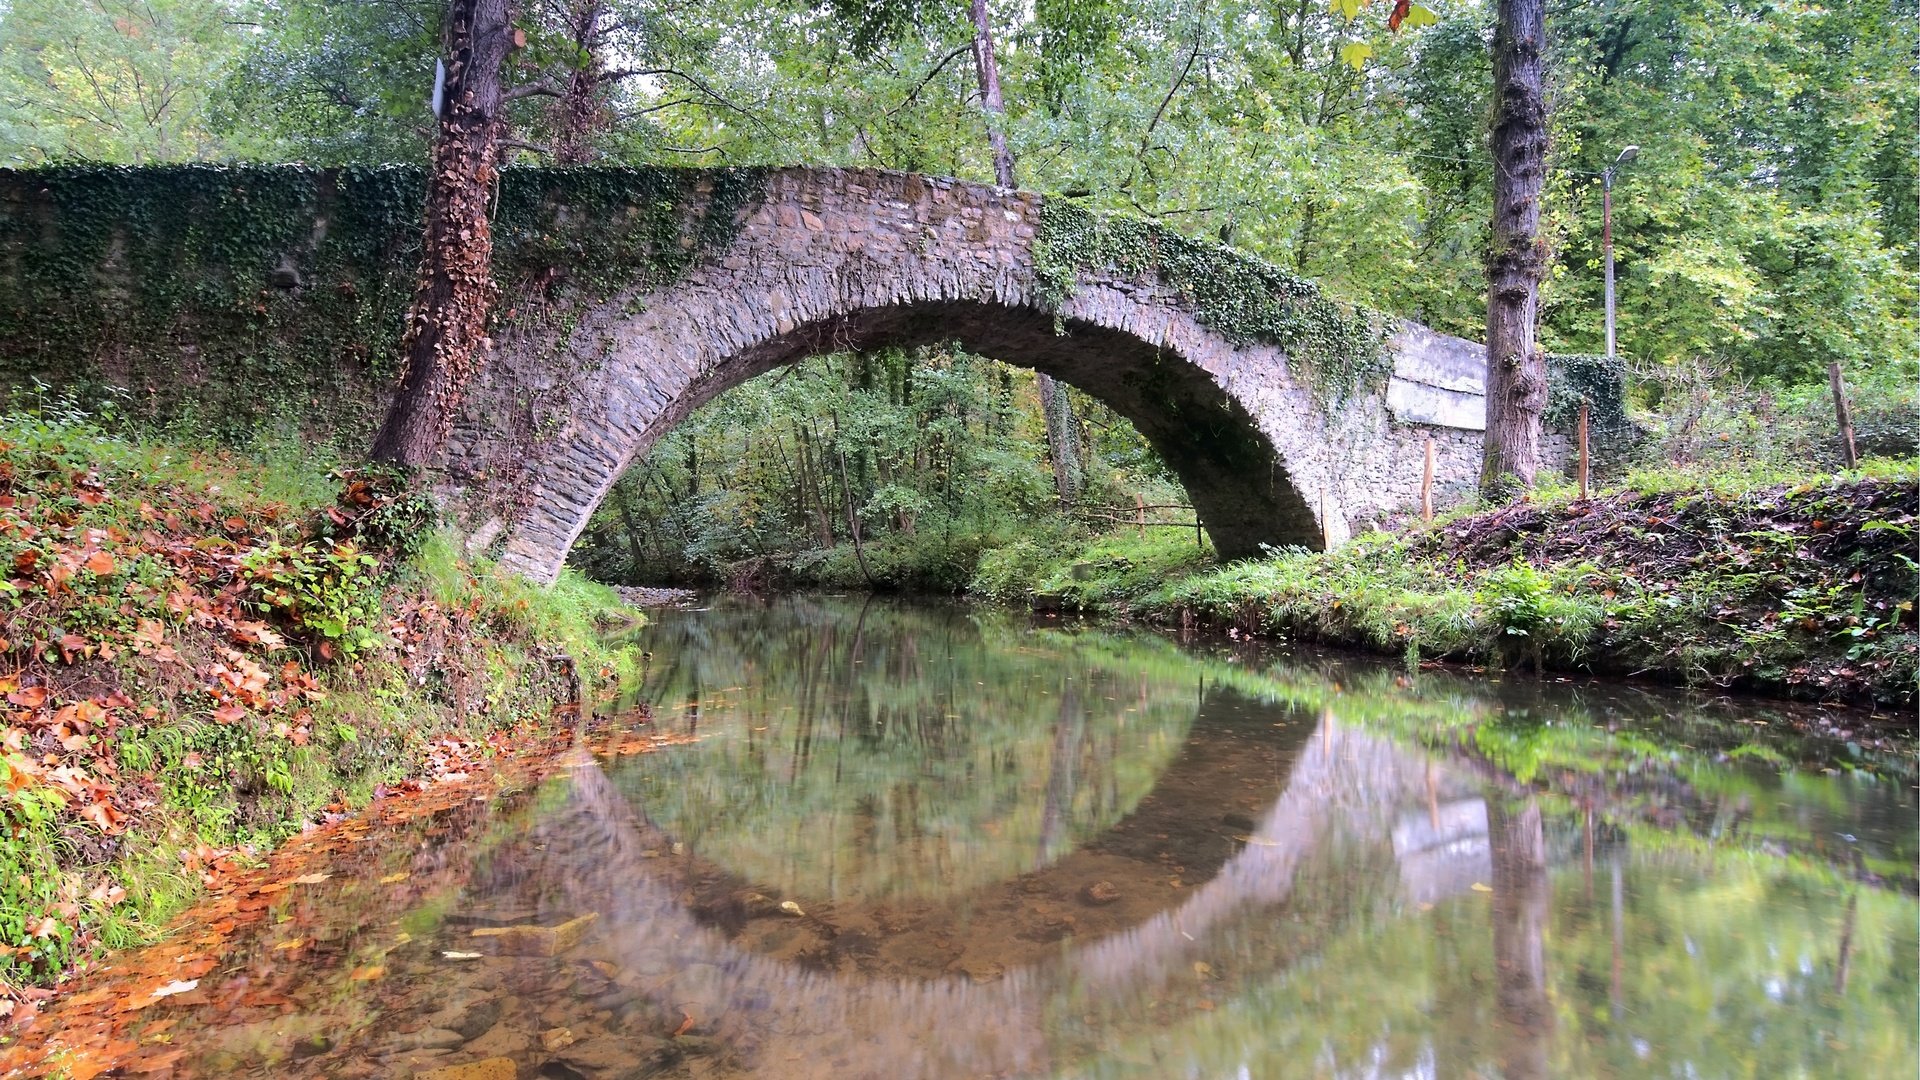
898 750
1699 944
1521 897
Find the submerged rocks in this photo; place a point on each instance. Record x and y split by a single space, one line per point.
497 1068
533 940
1100 893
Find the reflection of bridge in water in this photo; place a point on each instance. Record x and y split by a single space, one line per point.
1344 788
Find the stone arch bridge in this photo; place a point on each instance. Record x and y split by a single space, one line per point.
822 260
632 296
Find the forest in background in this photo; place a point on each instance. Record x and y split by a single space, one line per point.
1766 230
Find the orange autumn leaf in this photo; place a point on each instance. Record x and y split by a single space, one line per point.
99 563
31 697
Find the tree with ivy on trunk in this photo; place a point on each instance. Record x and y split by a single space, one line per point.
446 326
1516 367
446 331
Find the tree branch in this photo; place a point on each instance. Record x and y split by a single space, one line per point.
937 69
541 88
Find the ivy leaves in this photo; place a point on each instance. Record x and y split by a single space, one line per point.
1339 350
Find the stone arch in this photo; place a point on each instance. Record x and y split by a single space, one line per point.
826 260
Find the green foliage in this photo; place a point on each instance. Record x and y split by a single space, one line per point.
329 590
138 254
1593 381
1340 350
937 454
1706 420
113 80
1103 573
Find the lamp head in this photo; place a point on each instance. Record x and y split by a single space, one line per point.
1627 155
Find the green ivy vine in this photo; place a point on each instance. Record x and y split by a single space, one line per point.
1575 379
1338 349
233 299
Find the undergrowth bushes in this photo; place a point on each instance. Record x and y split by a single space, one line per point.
1804 588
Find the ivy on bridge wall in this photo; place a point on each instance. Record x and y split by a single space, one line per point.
1339 349
236 299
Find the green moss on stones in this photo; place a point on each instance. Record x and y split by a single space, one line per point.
1340 350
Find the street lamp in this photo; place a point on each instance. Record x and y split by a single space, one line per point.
1606 230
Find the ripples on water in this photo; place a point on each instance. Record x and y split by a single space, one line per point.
1005 851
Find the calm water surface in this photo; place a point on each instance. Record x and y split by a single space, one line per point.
1014 851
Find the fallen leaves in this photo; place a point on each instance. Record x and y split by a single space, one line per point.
178 986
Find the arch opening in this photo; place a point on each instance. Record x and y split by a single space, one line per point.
1230 469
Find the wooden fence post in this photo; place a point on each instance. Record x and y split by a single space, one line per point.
1426 485
1583 451
1845 417
1140 514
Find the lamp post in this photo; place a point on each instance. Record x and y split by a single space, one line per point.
1606 230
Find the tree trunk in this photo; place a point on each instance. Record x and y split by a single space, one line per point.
1516 369
580 113
988 69
446 329
1055 409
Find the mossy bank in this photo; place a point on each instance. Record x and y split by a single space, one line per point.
1794 587
203 653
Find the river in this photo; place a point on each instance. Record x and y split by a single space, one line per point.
918 840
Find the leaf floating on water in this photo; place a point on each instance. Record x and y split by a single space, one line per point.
791 908
394 879
178 986
294 944
310 879
453 954
369 973
1478 887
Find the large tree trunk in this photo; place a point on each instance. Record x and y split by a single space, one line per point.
1516 369
446 329
1055 408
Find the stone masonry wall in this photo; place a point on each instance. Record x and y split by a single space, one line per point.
836 259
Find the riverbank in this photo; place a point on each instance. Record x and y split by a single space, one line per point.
1801 589
206 654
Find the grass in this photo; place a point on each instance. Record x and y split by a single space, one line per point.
1760 578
